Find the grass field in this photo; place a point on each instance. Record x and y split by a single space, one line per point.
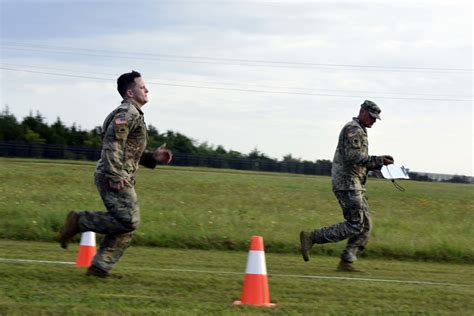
222 209
164 281
199 222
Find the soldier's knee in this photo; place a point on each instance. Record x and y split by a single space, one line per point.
357 227
135 220
127 226
130 224
124 240
134 225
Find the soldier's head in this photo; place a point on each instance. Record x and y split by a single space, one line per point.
369 113
130 85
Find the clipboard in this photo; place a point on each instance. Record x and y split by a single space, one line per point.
394 172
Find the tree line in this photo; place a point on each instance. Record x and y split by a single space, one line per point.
33 129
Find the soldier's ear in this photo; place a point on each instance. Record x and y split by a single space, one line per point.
129 93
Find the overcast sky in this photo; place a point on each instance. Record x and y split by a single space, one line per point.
280 76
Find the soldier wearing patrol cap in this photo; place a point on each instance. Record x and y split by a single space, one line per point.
349 174
124 139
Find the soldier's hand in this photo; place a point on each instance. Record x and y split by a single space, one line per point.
118 185
163 155
387 160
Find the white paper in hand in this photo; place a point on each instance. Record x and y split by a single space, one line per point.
394 172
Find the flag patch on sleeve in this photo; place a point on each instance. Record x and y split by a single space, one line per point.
120 121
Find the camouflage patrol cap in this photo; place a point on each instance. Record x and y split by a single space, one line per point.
372 108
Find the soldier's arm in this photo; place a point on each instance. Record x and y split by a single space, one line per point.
113 146
147 160
161 155
375 163
354 152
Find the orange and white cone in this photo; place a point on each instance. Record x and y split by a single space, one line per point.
255 289
87 250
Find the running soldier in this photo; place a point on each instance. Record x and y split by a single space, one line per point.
349 174
124 139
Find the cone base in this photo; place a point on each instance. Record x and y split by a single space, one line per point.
263 304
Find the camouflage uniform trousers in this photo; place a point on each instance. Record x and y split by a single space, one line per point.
117 223
356 227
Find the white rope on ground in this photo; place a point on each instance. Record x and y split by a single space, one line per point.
371 280
322 277
125 296
34 261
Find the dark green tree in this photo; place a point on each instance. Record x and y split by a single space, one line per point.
180 143
290 158
36 130
220 151
257 155
10 128
59 133
155 139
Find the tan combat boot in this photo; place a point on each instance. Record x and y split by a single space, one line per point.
94 271
306 241
70 229
345 266
99 273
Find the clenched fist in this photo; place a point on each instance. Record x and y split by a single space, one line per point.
387 160
163 155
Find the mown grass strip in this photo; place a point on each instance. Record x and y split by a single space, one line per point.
321 277
144 289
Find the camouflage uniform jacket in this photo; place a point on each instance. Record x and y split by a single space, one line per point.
352 161
124 139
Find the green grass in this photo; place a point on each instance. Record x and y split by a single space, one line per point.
221 209
164 281
218 211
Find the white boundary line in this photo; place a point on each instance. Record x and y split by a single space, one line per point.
374 280
34 261
321 277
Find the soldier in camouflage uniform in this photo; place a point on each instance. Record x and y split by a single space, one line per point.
124 139
349 174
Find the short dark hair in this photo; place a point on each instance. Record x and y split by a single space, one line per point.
127 81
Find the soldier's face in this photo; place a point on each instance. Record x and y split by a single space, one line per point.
139 93
366 119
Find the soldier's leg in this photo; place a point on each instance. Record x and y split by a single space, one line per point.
351 203
122 216
356 244
111 250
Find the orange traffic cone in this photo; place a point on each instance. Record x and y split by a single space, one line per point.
255 289
86 250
